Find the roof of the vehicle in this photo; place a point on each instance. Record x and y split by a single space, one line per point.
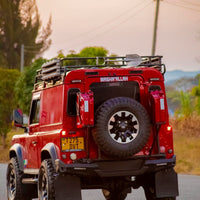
82 74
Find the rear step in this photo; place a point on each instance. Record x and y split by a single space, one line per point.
29 180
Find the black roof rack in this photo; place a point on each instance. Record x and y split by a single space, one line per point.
55 69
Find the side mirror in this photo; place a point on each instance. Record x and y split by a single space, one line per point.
18 118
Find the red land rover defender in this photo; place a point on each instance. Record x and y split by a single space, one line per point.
104 125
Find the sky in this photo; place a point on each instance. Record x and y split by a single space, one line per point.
125 27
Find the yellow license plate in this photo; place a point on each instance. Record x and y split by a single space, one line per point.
72 144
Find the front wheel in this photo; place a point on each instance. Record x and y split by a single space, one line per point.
46 179
16 190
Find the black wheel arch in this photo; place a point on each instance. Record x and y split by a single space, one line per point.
16 151
49 152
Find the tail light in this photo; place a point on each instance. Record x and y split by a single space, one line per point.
169 128
63 133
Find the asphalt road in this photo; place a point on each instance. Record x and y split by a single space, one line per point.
189 189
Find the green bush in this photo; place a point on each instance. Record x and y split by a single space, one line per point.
8 79
25 85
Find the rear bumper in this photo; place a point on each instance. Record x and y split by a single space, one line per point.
115 168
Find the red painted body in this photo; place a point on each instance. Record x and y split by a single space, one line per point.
55 123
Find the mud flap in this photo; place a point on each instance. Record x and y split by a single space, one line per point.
166 183
67 187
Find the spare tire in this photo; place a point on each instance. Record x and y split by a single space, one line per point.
122 127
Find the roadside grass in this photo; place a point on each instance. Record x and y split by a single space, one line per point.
186 146
187 150
4 153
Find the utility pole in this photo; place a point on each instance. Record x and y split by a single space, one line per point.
155 28
22 57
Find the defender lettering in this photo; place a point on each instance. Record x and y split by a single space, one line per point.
114 79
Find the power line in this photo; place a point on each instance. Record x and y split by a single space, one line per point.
122 22
178 5
113 27
186 4
190 3
31 48
111 21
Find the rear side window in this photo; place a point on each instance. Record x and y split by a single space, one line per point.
35 112
71 101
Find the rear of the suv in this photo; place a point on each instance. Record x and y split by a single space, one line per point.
100 126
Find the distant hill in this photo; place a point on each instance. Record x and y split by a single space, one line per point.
172 76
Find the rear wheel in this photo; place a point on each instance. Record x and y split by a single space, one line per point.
122 127
46 181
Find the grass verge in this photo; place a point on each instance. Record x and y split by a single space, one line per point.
187 150
4 153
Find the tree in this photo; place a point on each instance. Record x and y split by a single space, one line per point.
196 93
20 24
173 99
93 52
7 99
85 52
187 106
25 85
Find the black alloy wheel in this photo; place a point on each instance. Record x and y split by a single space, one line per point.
16 190
122 127
46 181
